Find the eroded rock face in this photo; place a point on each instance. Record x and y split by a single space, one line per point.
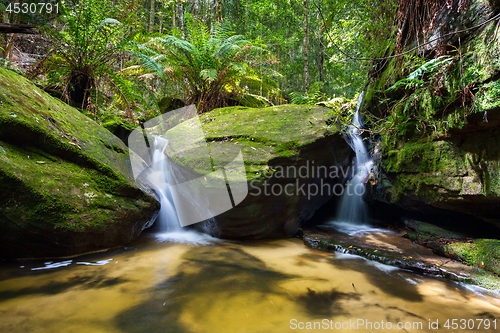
65 182
284 149
446 156
461 173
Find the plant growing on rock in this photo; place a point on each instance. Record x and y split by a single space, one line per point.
314 95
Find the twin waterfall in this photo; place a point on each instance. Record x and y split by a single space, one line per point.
352 208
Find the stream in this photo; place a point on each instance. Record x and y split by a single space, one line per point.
174 280
272 286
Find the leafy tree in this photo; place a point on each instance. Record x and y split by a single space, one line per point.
356 29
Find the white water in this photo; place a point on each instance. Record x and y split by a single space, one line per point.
352 208
354 229
170 228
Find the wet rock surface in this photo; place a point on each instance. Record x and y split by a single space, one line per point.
393 247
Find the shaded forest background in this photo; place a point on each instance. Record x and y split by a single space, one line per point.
112 57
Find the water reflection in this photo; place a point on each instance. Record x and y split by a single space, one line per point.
228 287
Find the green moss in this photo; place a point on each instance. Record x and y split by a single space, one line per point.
261 134
429 231
287 149
488 97
60 171
252 101
482 253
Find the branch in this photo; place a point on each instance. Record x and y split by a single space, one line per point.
17 28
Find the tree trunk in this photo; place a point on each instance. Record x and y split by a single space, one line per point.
196 8
321 65
3 37
9 48
152 16
237 7
306 46
213 7
173 16
180 15
218 13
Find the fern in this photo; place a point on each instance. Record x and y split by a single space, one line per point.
416 79
313 95
207 64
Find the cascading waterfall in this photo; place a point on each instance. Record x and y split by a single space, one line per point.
352 208
169 225
167 218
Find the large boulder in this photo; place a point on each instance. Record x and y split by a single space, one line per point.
445 156
65 182
293 157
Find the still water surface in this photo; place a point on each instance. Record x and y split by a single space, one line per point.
259 287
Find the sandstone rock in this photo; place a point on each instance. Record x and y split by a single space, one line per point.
275 143
65 182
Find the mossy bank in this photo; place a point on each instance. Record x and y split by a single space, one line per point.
65 181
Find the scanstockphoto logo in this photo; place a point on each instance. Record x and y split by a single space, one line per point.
201 178
170 153
296 181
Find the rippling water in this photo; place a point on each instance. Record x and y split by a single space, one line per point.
227 287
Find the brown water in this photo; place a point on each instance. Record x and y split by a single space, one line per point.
230 287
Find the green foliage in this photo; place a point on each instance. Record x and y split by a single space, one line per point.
423 73
87 40
207 64
313 96
357 29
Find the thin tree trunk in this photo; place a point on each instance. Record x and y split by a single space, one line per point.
196 8
321 65
306 46
213 7
3 37
152 16
237 6
11 38
218 13
9 48
181 15
173 16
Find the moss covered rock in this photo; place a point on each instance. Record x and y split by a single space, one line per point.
118 127
482 253
286 146
65 181
445 153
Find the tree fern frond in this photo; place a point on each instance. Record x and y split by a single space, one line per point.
150 64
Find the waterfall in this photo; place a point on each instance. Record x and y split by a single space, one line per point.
352 208
169 225
167 218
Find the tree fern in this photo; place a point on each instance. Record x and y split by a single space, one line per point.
416 78
208 64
